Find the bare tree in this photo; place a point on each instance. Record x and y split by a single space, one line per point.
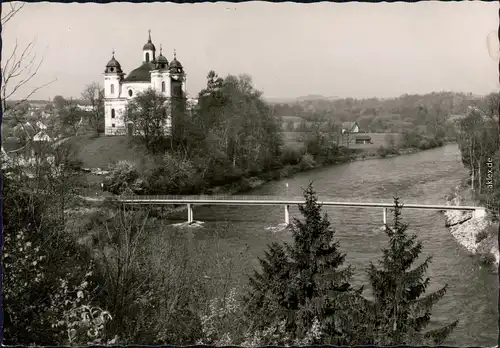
94 94
21 65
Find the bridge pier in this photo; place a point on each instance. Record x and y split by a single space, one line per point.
287 214
384 210
190 213
479 213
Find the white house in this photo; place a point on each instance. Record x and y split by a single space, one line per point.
87 108
40 125
156 72
41 136
350 127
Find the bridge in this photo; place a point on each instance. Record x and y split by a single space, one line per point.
191 201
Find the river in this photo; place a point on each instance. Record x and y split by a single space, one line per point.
424 177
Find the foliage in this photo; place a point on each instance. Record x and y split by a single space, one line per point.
240 129
173 175
383 151
400 311
94 95
307 162
39 257
153 280
223 323
71 116
303 283
124 177
149 112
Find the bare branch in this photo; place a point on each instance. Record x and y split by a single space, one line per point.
11 12
22 70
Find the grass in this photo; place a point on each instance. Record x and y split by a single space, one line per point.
100 152
292 139
378 139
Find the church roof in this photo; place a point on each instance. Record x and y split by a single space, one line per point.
161 59
175 63
141 74
113 63
149 45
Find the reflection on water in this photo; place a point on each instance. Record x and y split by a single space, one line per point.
424 178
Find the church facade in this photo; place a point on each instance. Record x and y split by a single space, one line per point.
156 72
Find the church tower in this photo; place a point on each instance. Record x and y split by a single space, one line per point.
113 108
177 95
177 79
112 78
160 76
149 51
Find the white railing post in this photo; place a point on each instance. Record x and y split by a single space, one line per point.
190 213
287 214
478 213
385 216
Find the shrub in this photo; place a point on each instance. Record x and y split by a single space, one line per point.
173 175
123 176
291 156
307 162
382 151
482 235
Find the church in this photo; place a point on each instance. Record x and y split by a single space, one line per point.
156 72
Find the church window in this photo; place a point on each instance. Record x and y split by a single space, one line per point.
130 92
147 56
113 125
163 66
112 113
111 69
163 86
112 89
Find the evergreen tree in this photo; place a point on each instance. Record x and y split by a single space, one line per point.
305 282
400 311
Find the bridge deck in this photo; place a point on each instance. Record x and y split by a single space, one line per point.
276 200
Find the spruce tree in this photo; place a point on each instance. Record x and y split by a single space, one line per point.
401 312
305 281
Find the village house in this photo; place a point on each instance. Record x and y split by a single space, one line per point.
362 139
350 127
351 133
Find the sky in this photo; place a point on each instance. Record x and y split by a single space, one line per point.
354 49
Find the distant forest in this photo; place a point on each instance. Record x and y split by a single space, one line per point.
415 112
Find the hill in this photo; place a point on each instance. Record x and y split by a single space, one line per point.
100 152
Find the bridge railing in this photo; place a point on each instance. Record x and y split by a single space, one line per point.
365 202
212 198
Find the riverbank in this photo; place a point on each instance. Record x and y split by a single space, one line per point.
477 235
249 183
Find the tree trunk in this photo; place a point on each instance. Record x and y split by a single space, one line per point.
479 175
472 167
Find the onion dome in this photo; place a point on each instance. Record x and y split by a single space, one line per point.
175 66
149 45
113 65
161 62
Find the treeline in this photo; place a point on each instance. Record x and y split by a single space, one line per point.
479 142
425 114
117 279
231 134
60 118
